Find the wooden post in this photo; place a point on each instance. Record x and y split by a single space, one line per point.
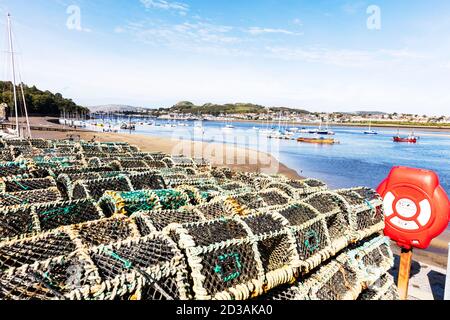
404 273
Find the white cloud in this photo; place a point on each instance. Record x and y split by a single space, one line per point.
259 31
344 57
297 22
353 7
166 5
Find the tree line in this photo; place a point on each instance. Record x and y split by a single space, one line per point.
42 103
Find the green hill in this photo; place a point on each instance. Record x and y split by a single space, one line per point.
39 102
229 108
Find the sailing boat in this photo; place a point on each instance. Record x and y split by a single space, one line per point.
370 131
327 131
17 132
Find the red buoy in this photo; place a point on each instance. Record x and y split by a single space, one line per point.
417 209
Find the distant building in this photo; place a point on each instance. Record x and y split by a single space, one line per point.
3 112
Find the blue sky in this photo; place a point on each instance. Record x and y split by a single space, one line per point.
318 55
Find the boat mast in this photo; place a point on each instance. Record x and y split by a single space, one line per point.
11 49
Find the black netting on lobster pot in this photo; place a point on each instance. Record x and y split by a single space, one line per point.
6 155
249 201
206 233
131 164
55 215
29 197
216 209
96 188
150 180
335 281
106 231
158 155
136 255
311 234
40 143
26 286
383 289
15 222
367 208
163 289
17 142
274 197
149 221
17 253
336 218
376 254
155 164
13 169
228 267
287 292
18 185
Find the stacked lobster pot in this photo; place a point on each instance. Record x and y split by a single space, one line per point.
106 221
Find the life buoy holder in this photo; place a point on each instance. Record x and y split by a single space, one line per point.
416 207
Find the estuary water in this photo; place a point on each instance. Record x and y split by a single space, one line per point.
358 160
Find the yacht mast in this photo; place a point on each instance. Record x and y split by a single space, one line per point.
11 49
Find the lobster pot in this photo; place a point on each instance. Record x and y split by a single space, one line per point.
54 215
284 187
273 198
366 206
201 163
142 155
48 280
105 231
181 161
17 253
337 217
301 189
149 221
335 281
132 164
6 155
203 185
221 174
248 201
20 185
30 197
218 208
309 227
195 197
383 289
286 292
373 258
91 147
40 143
15 221
127 203
8 169
147 180
87 169
235 188
18 143
95 189
155 164
223 259
158 156
148 268
277 248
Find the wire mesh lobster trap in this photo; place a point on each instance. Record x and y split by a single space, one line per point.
383 289
147 180
222 257
149 221
11 184
95 189
18 168
309 227
25 220
147 268
11 199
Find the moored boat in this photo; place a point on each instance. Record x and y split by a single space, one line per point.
317 140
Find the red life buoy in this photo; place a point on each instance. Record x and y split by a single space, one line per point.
417 209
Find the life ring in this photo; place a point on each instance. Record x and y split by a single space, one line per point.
416 207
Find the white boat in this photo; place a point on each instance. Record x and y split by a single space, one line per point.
228 127
370 131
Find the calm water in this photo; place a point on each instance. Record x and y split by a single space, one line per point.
359 160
